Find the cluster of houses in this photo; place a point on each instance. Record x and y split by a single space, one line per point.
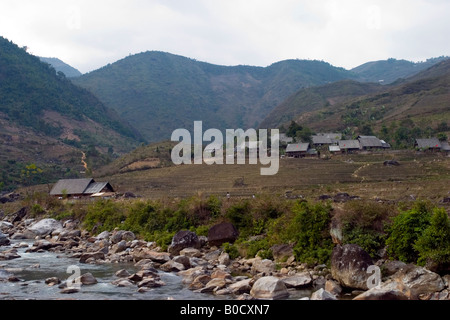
335 145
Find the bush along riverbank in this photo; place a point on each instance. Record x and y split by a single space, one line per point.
260 248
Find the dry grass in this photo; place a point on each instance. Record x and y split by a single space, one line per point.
419 175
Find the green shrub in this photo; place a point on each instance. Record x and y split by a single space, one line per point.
162 238
239 215
214 205
37 210
104 215
406 228
232 250
363 223
142 217
314 244
433 246
259 248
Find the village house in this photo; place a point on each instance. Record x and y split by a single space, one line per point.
283 138
297 150
334 149
432 144
369 143
81 188
349 146
445 147
321 139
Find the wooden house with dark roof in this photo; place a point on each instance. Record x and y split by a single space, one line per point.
297 150
369 143
349 146
432 144
81 188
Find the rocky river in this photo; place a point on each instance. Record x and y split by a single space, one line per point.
47 260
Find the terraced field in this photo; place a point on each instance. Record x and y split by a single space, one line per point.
418 176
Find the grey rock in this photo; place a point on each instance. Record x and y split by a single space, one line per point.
269 288
52 281
183 239
299 280
4 241
221 233
122 235
322 294
349 264
419 280
86 279
45 227
122 273
265 266
172 266
386 291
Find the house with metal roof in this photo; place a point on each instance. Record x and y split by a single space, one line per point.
370 142
445 146
80 188
297 150
283 138
348 146
326 138
432 144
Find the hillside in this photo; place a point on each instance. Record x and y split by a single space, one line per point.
310 99
412 108
158 92
388 71
61 66
44 118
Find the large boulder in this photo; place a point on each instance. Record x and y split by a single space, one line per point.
419 281
183 239
221 233
391 290
269 288
349 264
122 235
4 241
45 227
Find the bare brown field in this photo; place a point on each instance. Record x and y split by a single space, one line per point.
419 176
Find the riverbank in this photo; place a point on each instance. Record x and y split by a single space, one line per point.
201 268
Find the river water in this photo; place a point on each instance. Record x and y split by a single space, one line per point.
32 280
33 268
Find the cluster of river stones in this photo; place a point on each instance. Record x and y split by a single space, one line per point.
206 268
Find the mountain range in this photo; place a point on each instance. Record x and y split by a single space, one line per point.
51 116
159 92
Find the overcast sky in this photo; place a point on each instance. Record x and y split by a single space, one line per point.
345 33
